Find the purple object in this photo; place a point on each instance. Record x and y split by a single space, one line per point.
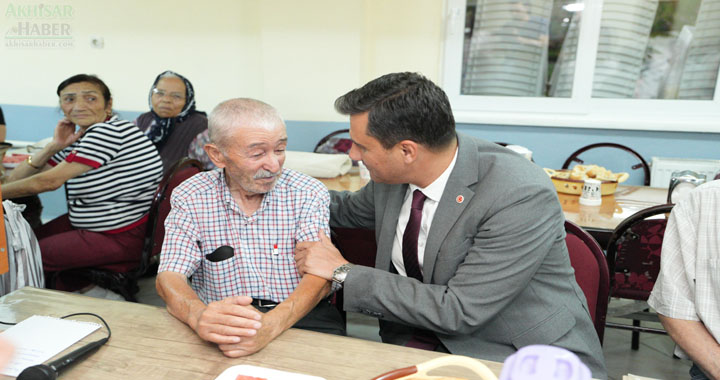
540 362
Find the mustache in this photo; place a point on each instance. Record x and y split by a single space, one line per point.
266 174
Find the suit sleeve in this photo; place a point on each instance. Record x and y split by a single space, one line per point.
493 266
353 209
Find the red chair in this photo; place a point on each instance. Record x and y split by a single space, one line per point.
591 272
333 143
641 164
357 246
178 173
122 278
633 254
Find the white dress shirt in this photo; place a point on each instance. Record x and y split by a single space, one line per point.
688 286
433 193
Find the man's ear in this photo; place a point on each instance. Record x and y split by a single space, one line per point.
216 156
409 150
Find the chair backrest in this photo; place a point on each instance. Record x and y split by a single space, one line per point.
641 164
681 182
591 272
160 208
357 245
633 253
332 143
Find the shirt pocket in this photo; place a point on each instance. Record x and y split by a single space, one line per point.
269 262
221 274
283 270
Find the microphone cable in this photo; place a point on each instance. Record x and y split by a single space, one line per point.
96 316
72 315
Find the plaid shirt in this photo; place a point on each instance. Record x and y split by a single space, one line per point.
688 286
204 217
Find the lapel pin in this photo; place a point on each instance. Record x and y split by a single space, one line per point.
459 199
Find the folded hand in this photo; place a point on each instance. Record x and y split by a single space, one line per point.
249 345
228 321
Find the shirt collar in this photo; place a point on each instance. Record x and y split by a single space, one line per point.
435 190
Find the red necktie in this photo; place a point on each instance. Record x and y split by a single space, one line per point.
410 237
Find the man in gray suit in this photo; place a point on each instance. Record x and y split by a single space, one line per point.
471 254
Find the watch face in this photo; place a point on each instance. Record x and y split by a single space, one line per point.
340 273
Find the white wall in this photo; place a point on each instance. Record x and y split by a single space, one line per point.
297 55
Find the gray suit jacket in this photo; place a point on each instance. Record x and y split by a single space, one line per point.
497 274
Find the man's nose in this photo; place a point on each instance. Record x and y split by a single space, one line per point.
272 164
354 153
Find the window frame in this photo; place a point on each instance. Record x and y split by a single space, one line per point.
580 110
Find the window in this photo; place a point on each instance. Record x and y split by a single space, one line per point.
626 64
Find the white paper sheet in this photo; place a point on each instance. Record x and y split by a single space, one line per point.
39 338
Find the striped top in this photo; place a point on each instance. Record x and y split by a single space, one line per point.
116 194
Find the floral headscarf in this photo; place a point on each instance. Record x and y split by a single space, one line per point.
161 128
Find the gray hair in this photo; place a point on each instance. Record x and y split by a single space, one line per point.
233 114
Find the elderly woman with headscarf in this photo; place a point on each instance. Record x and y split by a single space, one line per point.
173 124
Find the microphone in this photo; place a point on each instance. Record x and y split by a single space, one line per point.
51 370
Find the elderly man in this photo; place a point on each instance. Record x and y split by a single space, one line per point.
471 252
233 232
686 292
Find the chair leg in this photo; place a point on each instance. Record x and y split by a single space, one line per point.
635 345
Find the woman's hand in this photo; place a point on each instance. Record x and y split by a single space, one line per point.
65 134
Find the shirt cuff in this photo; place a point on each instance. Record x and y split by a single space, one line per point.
73 157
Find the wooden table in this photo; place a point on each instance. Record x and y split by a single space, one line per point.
350 182
600 221
148 343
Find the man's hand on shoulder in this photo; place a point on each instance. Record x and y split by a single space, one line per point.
319 258
228 321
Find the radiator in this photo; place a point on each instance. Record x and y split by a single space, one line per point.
661 169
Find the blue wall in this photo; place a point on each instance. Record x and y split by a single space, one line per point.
550 146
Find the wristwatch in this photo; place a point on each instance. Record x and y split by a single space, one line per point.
341 272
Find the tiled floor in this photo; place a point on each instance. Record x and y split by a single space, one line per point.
654 358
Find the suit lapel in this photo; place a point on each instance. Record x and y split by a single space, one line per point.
389 225
464 174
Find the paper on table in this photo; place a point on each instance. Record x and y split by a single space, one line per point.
38 338
233 372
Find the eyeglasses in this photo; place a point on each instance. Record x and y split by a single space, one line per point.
174 96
